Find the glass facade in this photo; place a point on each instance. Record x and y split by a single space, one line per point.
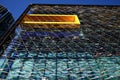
90 52
6 20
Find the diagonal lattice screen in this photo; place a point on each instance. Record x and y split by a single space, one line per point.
90 52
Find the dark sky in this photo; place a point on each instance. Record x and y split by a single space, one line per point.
16 7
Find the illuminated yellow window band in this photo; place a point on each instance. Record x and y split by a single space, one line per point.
51 19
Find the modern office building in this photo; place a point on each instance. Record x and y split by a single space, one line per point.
64 42
6 20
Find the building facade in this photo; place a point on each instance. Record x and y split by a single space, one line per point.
86 51
6 19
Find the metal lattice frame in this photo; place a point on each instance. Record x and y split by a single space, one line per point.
90 53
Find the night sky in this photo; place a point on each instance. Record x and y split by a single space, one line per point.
16 7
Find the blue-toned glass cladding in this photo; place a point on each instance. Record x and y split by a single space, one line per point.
6 20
